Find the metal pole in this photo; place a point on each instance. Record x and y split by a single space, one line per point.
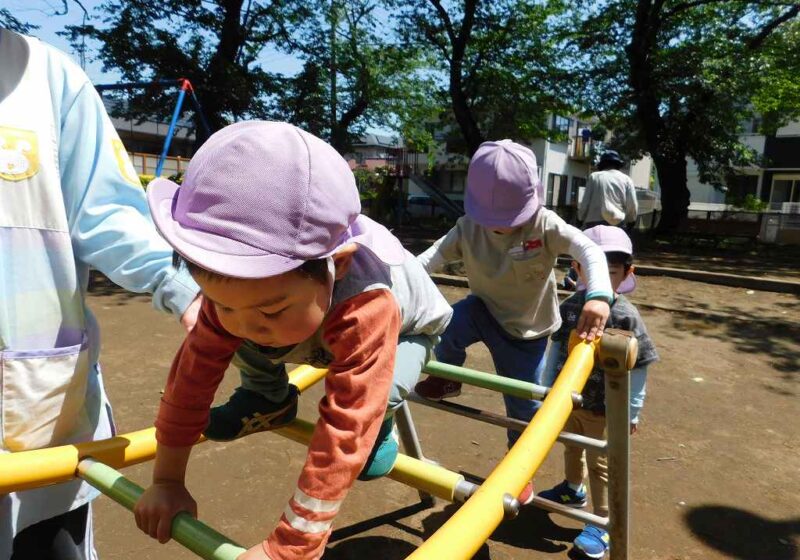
504 421
505 385
186 530
617 352
572 513
168 140
199 110
411 443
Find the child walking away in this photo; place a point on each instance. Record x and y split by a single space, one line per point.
590 420
509 245
268 223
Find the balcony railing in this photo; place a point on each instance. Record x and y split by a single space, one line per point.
145 164
581 149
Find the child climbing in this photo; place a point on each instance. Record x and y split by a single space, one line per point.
267 221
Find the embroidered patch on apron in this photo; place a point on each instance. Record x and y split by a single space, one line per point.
19 154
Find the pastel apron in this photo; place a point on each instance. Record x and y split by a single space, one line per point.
51 390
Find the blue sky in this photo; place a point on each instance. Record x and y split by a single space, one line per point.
41 13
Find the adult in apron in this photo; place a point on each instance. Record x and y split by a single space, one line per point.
69 199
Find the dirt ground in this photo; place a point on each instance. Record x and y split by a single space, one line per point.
715 464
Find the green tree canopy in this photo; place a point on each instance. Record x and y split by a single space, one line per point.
496 63
354 73
676 79
216 45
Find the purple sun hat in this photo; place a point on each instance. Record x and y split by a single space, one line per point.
260 198
612 239
503 187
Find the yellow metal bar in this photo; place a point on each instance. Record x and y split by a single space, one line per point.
42 467
433 479
469 528
306 376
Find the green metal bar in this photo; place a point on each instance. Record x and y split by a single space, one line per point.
186 530
506 385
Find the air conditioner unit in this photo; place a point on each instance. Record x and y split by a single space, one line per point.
790 208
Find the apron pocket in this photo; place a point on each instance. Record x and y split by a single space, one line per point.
42 395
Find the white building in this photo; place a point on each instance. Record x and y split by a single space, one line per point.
777 182
564 167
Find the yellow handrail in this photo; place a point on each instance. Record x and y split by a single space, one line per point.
472 525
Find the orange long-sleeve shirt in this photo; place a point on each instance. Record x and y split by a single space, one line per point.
361 333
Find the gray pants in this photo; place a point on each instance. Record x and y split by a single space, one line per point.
269 378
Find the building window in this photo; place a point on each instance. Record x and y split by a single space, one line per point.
752 126
785 188
739 186
561 124
577 184
556 189
457 182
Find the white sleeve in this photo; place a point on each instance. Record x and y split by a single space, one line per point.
631 204
563 238
593 261
638 391
445 250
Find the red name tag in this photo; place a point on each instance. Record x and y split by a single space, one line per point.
531 244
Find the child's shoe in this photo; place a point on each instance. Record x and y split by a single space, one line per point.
248 412
436 388
593 542
526 496
384 453
566 496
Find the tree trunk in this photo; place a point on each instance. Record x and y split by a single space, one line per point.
674 192
466 121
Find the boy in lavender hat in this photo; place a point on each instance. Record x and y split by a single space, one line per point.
590 420
268 223
509 245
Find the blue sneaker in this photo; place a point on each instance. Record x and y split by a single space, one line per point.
384 453
593 542
566 496
248 412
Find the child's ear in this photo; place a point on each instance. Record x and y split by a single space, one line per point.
343 259
576 265
630 271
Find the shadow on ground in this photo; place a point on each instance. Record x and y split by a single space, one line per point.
358 548
752 334
532 530
744 535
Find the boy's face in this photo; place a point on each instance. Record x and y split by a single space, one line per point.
616 273
277 311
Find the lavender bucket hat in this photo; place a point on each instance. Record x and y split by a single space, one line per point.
503 187
612 239
261 198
